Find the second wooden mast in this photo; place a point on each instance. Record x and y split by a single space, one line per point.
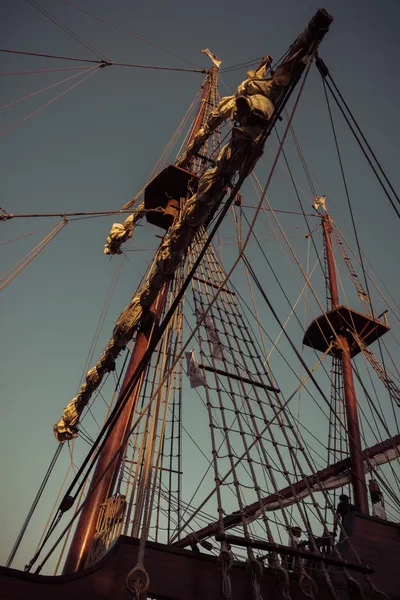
342 346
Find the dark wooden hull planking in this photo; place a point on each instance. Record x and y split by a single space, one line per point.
177 574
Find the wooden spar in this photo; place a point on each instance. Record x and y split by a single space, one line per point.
199 118
240 378
86 528
298 487
353 429
235 540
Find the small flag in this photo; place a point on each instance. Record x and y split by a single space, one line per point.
217 61
195 374
320 202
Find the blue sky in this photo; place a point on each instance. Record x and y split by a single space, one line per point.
93 148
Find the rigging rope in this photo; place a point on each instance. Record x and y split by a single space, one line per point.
315 505
304 275
347 192
69 31
20 237
295 374
298 195
49 87
93 71
362 294
395 303
33 507
128 32
379 370
78 475
23 52
102 317
12 273
243 65
32 71
103 63
326 84
265 461
103 213
323 70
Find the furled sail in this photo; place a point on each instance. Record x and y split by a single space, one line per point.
332 477
252 107
332 482
121 232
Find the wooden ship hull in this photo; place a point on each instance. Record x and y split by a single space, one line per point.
178 574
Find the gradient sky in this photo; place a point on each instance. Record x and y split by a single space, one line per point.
93 148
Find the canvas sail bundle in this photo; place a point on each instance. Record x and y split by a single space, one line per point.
121 232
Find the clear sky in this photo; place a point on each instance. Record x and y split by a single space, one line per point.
93 148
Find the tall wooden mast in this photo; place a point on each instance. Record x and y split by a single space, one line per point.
98 494
339 332
343 348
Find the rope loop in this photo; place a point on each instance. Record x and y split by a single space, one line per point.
354 588
256 570
377 594
308 585
137 582
225 562
282 581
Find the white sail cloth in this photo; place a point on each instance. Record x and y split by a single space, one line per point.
257 92
121 232
212 334
193 371
331 483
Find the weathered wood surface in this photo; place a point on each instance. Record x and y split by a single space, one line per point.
377 542
177 574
